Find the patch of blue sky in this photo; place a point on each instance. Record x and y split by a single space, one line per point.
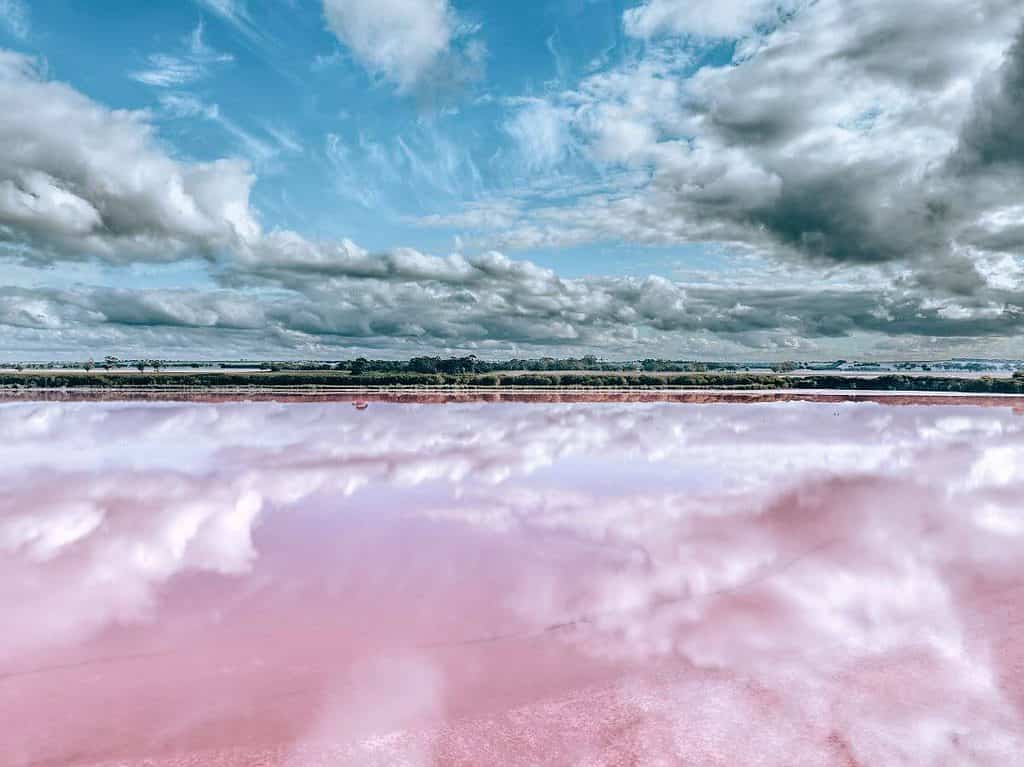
628 259
338 151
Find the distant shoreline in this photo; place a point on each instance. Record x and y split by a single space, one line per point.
365 396
343 382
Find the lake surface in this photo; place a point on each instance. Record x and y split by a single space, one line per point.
783 584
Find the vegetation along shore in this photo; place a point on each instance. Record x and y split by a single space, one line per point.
277 379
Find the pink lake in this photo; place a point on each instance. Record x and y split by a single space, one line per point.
788 584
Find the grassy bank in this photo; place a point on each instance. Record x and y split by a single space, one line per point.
724 380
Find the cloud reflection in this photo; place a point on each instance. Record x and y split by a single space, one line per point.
815 581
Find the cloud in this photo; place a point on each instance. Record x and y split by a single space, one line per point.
107 189
897 148
14 16
704 18
990 137
847 195
409 42
285 294
413 169
166 70
186 106
285 139
541 133
235 13
890 197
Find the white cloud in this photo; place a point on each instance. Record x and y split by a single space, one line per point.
283 293
285 139
405 41
235 13
901 154
704 18
186 106
107 188
418 166
166 70
893 164
542 134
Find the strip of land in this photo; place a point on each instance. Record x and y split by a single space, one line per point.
362 399
310 381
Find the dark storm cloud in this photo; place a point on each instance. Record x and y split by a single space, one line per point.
993 134
842 107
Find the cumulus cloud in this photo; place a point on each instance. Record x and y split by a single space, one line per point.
990 135
106 189
406 41
857 163
288 294
886 183
841 134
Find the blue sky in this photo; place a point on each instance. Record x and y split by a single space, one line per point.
690 178
339 151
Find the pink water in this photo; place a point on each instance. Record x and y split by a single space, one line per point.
777 585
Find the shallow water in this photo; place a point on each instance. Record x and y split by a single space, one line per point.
781 584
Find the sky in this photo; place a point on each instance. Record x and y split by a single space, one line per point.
696 179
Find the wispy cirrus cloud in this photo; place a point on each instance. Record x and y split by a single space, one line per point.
186 106
14 16
172 70
235 13
542 133
413 168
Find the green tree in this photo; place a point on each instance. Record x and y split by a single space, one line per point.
424 364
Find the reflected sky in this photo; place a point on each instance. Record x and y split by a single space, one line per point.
473 584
